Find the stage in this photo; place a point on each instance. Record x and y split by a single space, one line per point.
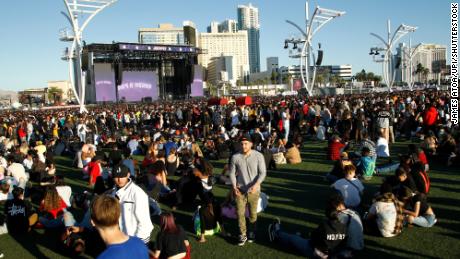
131 72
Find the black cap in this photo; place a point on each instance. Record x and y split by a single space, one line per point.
120 171
246 137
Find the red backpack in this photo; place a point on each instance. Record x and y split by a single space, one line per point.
426 181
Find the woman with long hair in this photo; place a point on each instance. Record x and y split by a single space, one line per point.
171 241
53 210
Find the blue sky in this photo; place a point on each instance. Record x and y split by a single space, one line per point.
30 50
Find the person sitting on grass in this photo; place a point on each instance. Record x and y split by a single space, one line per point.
334 148
355 239
337 170
105 214
292 154
350 187
421 178
20 216
171 240
385 217
53 210
401 179
209 218
416 208
327 240
366 164
418 155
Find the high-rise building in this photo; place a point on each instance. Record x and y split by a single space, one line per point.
167 34
228 26
190 34
272 64
248 20
343 71
213 27
235 45
220 69
431 56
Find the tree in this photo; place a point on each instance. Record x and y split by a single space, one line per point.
361 76
419 71
320 79
274 77
425 73
55 94
377 79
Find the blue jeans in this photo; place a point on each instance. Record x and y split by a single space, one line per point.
65 219
294 241
387 168
426 221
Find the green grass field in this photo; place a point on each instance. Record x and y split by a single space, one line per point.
297 196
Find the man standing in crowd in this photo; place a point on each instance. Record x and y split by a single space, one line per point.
105 213
134 202
247 172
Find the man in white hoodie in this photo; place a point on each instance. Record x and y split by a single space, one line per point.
134 203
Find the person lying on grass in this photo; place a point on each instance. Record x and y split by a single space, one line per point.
327 240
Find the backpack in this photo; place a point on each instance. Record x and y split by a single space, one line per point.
197 225
426 181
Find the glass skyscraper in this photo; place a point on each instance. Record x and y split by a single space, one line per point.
248 20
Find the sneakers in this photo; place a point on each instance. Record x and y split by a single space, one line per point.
252 237
273 228
242 240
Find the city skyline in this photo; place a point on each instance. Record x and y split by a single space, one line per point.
30 53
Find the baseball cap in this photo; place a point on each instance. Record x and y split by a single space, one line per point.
246 137
120 171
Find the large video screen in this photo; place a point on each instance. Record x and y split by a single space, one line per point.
137 85
105 83
197 84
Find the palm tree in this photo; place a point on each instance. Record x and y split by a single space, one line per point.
425 73
54 93
361 76
419 71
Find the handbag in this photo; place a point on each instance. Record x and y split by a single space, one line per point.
279 158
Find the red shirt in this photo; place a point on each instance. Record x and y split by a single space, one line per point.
430 117
94 170
57 211
422 158
333 150
21 133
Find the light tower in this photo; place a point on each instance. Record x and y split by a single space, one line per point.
88 9
320 17
388 70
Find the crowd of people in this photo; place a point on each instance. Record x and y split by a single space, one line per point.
137 157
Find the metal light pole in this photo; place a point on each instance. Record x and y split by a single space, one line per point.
388 72
410 57
319 18
75 8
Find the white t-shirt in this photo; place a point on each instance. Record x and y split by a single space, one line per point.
28 164
6 196
382 148
17 171
386 217
350 193
65 192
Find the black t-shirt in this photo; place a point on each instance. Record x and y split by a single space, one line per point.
171 244
17 216
423 203
329 237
